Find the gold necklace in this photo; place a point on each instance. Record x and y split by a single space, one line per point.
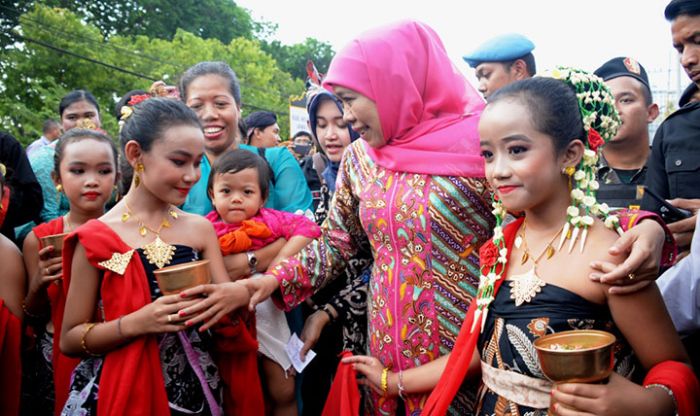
524 287
158 252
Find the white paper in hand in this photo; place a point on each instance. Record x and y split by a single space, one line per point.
293 349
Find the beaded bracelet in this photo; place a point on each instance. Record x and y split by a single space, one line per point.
83 343
385 381
327 310
401 387
667 390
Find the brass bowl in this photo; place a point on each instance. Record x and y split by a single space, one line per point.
174 279
55 240
591 362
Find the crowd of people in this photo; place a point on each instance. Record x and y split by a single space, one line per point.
382 238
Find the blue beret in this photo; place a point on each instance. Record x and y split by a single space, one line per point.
501 48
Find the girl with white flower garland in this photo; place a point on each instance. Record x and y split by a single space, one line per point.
536 161
540 143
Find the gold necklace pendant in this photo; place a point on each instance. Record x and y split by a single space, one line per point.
524 287
158 252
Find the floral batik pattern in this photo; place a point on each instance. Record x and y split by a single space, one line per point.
510 331
423 232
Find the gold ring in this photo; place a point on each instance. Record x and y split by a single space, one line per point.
631 276
170 318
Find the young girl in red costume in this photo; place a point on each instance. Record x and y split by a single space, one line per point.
12 286
239 185
531 140
138 355
86 171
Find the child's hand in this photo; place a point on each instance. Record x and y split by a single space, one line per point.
260 289
50 268
157 317
618 396
221 299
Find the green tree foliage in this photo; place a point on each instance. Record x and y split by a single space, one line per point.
35 77
292 58
218 19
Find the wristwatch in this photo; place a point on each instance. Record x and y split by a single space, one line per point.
252 262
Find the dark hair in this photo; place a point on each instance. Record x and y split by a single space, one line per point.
303 133
552 105
152 117
76 135
234 161
529 61
48 125
74 97
259 120
681 7
219 68
124 101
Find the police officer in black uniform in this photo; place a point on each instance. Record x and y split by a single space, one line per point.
622 168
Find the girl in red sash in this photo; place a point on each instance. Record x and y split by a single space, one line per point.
86 171
138 355
539 143
11 293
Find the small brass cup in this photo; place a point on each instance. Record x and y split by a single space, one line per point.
55 240
590 363
174 279
589 359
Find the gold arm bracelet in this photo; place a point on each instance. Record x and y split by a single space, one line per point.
83 343
385 381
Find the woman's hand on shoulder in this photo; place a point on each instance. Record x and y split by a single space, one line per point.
642 245
158 317
618 396
219 300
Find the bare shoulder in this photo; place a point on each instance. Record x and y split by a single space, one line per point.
600 239
8 248
193 220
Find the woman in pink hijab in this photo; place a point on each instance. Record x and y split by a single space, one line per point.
412 190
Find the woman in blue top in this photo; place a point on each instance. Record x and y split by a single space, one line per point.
212 90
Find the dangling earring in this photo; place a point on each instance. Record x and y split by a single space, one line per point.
59 189
137 177
569 171
118 196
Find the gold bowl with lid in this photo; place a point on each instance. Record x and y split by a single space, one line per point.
174 279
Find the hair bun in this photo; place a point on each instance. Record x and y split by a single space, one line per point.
595 100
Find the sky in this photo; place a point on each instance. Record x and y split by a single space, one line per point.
583 34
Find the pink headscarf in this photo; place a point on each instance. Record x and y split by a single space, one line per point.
428 111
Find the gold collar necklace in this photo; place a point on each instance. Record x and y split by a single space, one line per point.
158 252
524 287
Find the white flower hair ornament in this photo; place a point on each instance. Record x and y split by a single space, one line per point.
601 122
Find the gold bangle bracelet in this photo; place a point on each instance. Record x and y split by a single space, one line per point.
83 343
385 381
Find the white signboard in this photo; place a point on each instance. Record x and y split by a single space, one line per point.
298 119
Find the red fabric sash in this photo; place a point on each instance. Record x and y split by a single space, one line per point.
11 374
4 204
239 240
681 380
236 355
463 351
132 379
344 396
62 365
